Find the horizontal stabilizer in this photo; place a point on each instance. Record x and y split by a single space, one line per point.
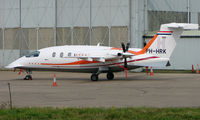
186 26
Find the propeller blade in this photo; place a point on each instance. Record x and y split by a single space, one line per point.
127 46
125 63
125 66
123 47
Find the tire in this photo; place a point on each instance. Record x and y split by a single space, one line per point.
94 77
110 76
28 77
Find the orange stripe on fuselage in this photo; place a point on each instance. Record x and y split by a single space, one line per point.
81 62
141 51
72 63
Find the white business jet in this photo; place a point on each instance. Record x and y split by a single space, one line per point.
102 59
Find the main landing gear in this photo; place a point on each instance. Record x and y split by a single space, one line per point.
94 76
110 75
28 76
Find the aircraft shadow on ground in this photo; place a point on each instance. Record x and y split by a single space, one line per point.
130 78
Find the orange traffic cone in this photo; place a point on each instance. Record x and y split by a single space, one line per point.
192 68
151 72
197 71
54 81
147 70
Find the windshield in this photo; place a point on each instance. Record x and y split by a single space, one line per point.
33 54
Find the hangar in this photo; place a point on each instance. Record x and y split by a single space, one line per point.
28 25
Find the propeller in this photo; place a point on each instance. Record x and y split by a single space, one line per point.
125 49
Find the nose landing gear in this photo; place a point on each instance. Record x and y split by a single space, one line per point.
28 76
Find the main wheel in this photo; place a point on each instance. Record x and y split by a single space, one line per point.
94 77
28 77
110 75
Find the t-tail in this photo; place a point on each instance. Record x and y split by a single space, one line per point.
164 42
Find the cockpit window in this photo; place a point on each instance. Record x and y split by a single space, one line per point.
34 54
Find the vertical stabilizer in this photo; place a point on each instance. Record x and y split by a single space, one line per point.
164 42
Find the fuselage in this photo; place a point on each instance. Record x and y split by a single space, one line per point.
79 58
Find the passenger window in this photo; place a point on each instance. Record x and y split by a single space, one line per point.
34 54
69 54
61 54
54 54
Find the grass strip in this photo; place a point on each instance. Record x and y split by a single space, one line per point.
49 113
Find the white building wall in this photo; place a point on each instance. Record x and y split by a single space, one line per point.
103 13
9 13
73 13
184 55
37 13
194 10
110 13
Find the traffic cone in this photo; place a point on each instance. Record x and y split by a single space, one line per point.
192 68
151 72
54 81
147 70
197 71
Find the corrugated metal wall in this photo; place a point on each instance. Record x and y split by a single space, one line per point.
27 25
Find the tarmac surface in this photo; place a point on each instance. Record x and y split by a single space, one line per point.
76 90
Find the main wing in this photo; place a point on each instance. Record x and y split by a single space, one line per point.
109 56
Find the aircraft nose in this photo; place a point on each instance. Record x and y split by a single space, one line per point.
11 65
15 64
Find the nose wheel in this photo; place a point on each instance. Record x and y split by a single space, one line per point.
28 77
